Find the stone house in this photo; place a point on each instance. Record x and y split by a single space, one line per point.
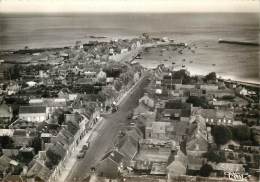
6 114
218 116
33 113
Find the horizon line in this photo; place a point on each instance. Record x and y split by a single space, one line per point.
131 12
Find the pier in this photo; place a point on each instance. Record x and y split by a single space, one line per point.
248 43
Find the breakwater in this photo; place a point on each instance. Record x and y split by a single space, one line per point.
238 42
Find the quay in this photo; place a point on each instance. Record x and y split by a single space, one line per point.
253 85
238 42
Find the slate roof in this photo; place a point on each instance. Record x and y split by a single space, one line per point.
32 109
73 117
13 178
5 110
177 104
4 162
176 168
179 165
194 162
114 155
64 137
73 127
198 137
19 132
148 178
128 147
158 168
10 152
230 167
39 170
135 133
57 149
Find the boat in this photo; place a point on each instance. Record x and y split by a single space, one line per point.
162 50
183 66
183 60
191 61
213 64
97 37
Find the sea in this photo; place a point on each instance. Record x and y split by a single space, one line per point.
201 30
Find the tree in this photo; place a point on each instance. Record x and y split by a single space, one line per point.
231 156
6 142
210 77
205 170
101 96
37 144
228 97
109 92
54 159
215 156
118 85
198 101
241 132
59 116
12 72
221 134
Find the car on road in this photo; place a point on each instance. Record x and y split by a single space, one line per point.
81 154
114 107
135 117
85 147
130 115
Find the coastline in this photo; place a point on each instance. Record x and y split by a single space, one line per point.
253 83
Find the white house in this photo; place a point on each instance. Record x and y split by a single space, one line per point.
51 104
209 87
147 100
101 75
33 113
31 83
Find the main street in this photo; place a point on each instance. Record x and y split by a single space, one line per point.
104 135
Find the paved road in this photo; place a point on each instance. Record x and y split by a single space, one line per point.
105 134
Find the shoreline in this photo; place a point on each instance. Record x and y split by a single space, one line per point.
43 49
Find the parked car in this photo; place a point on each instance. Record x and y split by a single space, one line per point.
85 147
114 109
81 154
130 115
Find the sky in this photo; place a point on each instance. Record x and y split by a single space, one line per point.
151 6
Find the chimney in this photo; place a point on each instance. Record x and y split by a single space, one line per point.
25 170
